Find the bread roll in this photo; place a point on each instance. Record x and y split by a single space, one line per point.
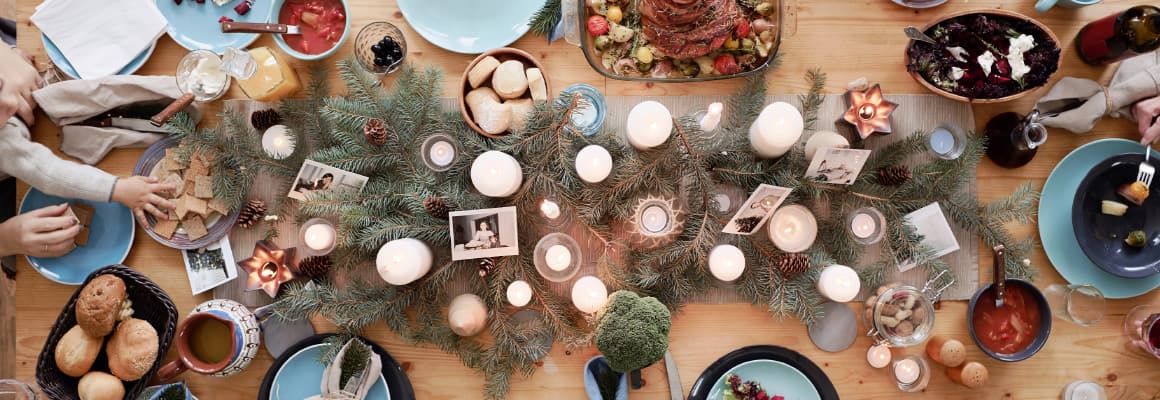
494 118
521 110
509 80
98 385
482 71
537 84
76 351
99 304
132 349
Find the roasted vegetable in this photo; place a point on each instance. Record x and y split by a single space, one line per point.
1136 239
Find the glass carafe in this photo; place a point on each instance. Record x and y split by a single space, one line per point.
1013 139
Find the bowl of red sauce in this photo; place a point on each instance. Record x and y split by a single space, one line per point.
1015 331
324 26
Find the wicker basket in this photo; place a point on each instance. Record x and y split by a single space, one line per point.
150 303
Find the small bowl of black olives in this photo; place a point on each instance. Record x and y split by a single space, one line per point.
380 47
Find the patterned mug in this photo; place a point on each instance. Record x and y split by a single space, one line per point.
219 338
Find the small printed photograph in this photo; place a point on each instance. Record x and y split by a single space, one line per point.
839 166
931 223
316 177
484 233
210 267
757 209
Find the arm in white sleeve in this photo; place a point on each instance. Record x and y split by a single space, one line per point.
36 165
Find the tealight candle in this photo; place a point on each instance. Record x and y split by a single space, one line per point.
793 228
654 219
863 226
776 130
550 209
593 164
439 152
558 257
879 355
912 374
726 262
496 174
589 294
277 142
867 225
442 153
712 117
519 293
402 261
839 283
906 371
649 125
946 142
1084 390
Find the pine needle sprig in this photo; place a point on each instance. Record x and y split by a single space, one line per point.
544 22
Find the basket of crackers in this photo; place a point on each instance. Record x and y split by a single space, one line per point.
109 340
202 216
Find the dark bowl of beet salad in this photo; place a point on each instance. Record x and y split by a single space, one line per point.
323 27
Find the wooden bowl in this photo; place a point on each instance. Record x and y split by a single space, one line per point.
997 12
502 54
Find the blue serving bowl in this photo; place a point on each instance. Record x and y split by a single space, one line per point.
1101 236
1044 322
277 9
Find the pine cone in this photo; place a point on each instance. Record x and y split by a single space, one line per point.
375 131
793 264
251 213
437 207
264 119
314 267
486 266
893 175
747 224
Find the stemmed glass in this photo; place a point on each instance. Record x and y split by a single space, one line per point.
1142 329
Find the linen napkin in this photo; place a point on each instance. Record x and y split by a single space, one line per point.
100 37
1082 102
358 386
71 102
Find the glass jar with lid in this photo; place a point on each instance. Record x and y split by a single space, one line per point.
903 315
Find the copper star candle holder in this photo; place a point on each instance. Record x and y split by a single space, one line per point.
268 268
868 112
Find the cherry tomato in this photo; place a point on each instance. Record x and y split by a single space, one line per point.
597 25
726 64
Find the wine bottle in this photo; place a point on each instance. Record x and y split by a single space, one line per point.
1119 36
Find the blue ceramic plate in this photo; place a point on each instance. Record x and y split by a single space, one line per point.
195 25
1055 228
301 377
62 63
776 377
469 26
109 240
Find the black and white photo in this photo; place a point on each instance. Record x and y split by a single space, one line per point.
484 233
837 165
757 209
315 177
210 267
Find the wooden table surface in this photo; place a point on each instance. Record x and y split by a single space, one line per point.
847 39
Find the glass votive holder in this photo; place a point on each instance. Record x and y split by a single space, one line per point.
588 118
17 390
947 141
726 199
911 374
440 152
368 37
1082 305
551 212
866 225
318 237
558 257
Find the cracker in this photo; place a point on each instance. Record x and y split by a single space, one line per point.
182 207
82 237
166 227
197 167
197 206
172 165
178 185
219 206
83 213
203 188
190 185
194 227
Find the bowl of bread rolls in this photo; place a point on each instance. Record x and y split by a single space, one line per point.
110 338
500 89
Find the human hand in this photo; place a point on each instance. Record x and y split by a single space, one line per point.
140 194
18 78
1146 112
44 232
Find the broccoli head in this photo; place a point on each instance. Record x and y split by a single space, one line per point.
632 331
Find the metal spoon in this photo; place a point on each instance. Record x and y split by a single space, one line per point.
915 34
1000 266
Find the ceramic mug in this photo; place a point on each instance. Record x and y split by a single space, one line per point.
1044 5
219 322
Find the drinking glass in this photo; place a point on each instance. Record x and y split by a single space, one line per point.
1080 304
1142 330
16 390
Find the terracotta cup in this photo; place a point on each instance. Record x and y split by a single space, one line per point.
243 339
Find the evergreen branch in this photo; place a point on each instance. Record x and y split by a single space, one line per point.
544 22
812 101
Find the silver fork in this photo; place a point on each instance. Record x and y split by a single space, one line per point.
1146 170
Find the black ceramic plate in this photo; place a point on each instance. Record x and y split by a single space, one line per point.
712 374
1101 236
397 382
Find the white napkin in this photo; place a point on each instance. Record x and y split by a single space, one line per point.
100 37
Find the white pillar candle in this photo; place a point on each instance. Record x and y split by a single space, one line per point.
467 315
863 225
402 261
550 209
906 371
776 130
793 228
593 164
879 355
649 125
442 153
589 294
277 142
839 283
654 219
496 174
823 139
558 257
519 293
319 236
726 262
712 118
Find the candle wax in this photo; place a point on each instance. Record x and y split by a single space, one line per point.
942 141
906 371
442 153
863 226
558 257
550 209
654 219
319 236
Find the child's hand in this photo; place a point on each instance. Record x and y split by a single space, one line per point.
43 232
140 194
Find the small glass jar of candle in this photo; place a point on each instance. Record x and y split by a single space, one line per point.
947 142
1084 390
318 237
866 225
558 257
589 116
440 152
911 374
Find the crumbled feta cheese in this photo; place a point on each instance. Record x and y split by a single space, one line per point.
986 60
1019 45
959 53
957 73
221 2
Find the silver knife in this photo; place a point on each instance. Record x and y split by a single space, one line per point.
675 391
259 27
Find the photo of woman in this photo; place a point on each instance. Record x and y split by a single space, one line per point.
315 177
483 233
